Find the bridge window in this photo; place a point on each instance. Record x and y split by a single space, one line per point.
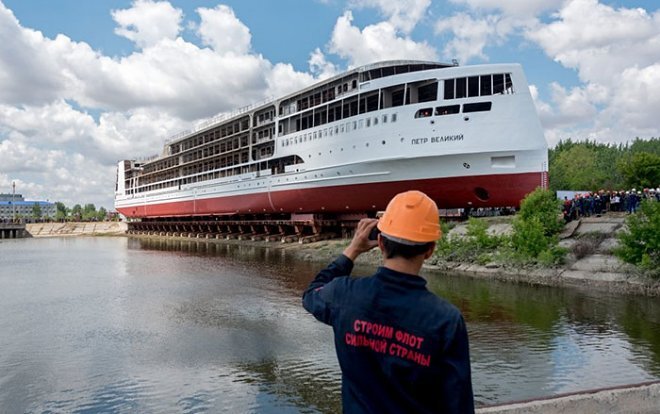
424 112
449 89
447 110
428 93
473 86
477 107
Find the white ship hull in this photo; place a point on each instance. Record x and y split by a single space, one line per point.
485 158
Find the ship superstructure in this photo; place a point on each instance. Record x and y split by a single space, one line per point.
467 136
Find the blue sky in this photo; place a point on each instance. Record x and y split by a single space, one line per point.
86 83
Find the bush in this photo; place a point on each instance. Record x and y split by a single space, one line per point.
476 246
543 205
529 237
640 244
536 227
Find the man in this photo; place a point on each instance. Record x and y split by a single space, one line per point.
401 348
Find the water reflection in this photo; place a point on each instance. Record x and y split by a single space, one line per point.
546 340
119 325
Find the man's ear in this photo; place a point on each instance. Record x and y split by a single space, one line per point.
380 242
429 252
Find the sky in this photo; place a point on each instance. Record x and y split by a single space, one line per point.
84 84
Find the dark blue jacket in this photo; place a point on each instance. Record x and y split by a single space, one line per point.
401 348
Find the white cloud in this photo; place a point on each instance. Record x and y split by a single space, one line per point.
615 53
283 79
598 40
512 7
472 35
148 22
319 65
220 29
402 14
51 144
28 75
375 42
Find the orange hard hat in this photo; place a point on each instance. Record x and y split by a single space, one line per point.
411 218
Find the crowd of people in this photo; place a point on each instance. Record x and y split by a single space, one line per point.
595 203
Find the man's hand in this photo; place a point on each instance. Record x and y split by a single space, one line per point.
361 242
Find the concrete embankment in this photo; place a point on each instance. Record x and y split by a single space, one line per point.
76 229
635 399
590 262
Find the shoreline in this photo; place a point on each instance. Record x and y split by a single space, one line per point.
599 271
632 283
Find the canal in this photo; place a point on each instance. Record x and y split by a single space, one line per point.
131 325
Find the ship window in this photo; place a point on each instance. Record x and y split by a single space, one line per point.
397 98
345 87
385 118
486 85
342 128
473 86
368 122
477 107
498 84
508 83
427 93
460 87
354 83
354 125
447 110
393 117
372 103
360 123
375 121
424 112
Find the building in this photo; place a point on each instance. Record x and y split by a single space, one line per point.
16 206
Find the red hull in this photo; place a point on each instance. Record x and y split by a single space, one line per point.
475 191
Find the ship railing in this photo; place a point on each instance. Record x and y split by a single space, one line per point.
147 158
217 119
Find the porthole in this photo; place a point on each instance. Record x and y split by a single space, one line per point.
383 142
481 193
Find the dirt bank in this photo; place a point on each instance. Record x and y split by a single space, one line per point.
104 228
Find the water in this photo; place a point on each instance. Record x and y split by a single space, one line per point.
93 325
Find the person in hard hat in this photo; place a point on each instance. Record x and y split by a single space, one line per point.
401 348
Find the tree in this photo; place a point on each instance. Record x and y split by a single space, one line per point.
576 169
60 211
36 211
76 212
89 212
102 214
641 169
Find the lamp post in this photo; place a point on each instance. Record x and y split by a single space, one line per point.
13 204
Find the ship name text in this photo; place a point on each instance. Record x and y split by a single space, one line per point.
436 139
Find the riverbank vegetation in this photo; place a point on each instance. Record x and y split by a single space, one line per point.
533 240
640 243
591 166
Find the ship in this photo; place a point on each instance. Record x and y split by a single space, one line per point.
468 136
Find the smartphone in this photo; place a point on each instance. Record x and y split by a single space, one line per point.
373 235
